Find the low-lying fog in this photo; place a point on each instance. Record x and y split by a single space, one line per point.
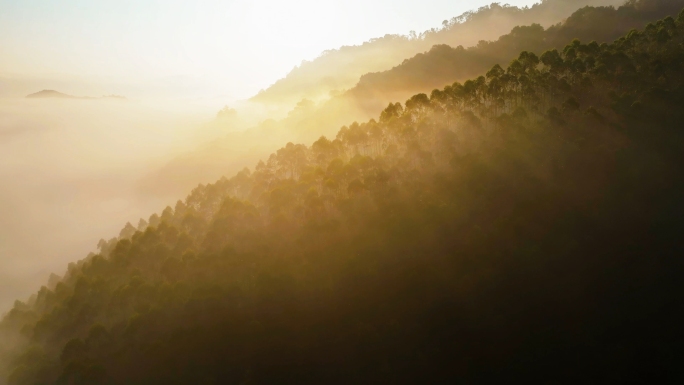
75 171
70 174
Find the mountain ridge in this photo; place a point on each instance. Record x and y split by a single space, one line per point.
337 70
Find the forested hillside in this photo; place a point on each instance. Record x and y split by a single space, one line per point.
445 63
338 70
422 73
525 223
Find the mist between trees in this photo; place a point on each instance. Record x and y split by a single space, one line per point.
442 64
522 224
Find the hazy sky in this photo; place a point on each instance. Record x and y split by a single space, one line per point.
231 48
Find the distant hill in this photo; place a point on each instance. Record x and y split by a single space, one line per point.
50 94
340 69
44 94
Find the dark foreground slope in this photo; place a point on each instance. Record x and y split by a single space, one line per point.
524 224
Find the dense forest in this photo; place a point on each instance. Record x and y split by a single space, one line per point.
308 120
444 63
525 223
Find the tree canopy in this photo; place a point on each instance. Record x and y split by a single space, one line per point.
525 223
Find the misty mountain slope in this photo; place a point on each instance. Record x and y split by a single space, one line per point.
443 64
523 224
422 73
339 69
